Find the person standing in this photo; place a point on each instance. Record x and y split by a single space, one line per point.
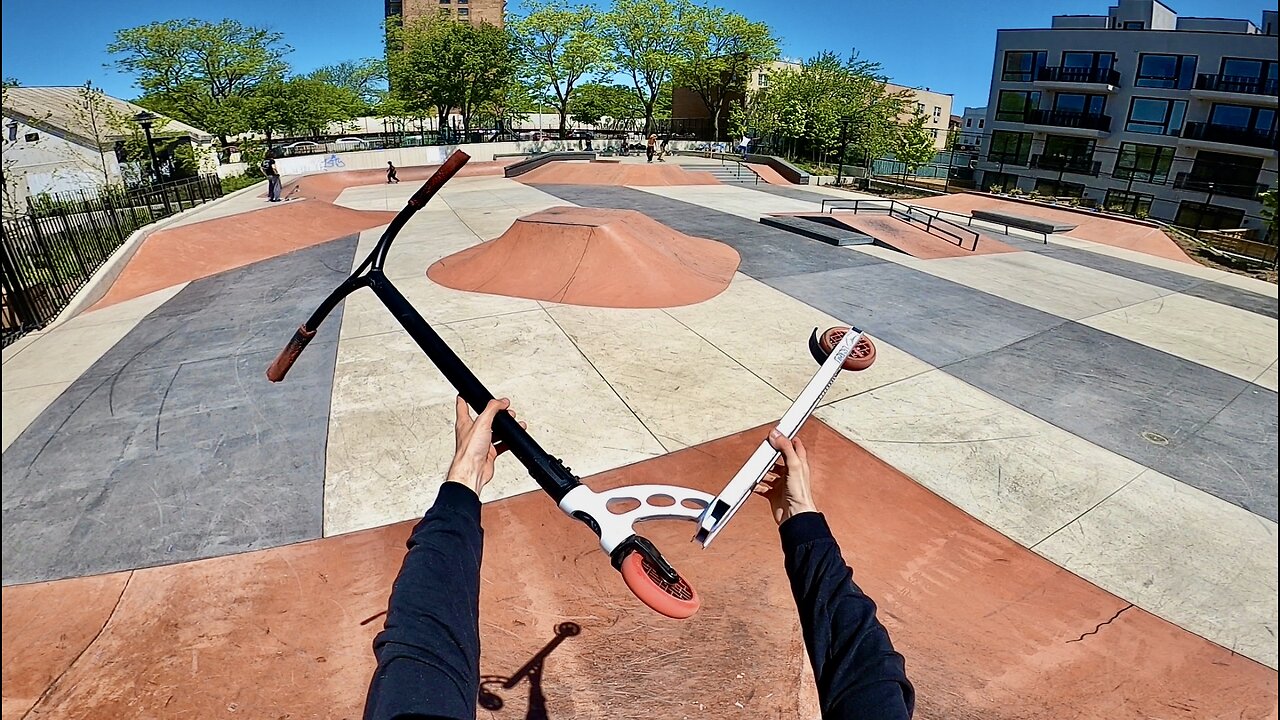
744 145
391 174
662 149
651 147
273 179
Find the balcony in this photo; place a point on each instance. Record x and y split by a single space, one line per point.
1079 164
1236 88
1077 123
1224 187
1070 78
1226 138
1007 159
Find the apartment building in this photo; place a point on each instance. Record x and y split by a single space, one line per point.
1141 110
973 129
489 11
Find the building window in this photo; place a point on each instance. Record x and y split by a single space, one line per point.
1054 188
1014 105
1156 117
998 179
1144 163
980 123
1130 203
1133 25
968 122
463 12
1022 65
1088 60
937 113
1082 104
978 141
763 80
1225 174
1248 68
1009 148
1166 71
31 137
1202 216
1061 146
1240 116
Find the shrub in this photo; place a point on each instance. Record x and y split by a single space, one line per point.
238 182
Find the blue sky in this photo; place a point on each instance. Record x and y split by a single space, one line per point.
940 44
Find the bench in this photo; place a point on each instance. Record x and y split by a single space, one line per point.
1025 222
816 229
538 161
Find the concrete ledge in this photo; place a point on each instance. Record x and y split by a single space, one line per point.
817 229
1023 221
538 161
790 172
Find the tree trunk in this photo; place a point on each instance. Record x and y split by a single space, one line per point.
564 115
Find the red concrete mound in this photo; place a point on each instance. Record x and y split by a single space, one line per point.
587 173
768 174
328 186
1089 226
190 252
989 629
588 256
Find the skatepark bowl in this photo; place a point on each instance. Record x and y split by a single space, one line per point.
1057 481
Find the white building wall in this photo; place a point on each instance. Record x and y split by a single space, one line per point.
50 164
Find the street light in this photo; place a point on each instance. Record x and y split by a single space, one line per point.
146 119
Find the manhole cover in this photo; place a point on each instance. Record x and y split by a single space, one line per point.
1154 438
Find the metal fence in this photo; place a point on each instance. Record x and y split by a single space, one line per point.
51 251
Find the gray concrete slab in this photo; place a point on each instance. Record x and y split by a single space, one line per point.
766 252
936 320
1211 430
174 446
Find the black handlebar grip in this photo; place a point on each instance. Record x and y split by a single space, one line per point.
280 367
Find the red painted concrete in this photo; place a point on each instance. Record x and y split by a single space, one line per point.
588 173
587 256
1089 226
190 252
329 185
990 630
911 238
768 174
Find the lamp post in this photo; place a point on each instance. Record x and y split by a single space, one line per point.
146 119
844 131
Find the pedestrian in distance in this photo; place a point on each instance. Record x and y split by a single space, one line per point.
428 653
391 174
651 147
273 179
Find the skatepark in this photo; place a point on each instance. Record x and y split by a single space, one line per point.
1057 481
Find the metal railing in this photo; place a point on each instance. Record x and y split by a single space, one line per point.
741 169
53 250
1229 134
1069 163
909 214
1097 76
1069 119
1189 181
968 220
1242 84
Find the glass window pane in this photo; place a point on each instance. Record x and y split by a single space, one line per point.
1175 116
1158 66
1187 73
1069 103
1265 120
1077 59
1146 110
1232 115
1237 67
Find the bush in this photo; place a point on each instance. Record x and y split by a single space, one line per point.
238 182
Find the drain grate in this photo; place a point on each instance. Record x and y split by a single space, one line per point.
1154 438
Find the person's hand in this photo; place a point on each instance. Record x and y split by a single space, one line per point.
476 452
786 486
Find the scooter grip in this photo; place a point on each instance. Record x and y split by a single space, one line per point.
280 367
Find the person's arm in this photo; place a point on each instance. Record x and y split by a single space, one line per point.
858 673
428 652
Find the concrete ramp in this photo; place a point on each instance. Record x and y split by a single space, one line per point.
635 175
599 258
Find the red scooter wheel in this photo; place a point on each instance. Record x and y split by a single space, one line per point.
675 600
862 355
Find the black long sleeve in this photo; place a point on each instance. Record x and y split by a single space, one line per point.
429 649
859 674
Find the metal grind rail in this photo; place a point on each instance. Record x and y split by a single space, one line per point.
908 214
967 220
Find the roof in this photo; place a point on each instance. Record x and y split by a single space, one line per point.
61 108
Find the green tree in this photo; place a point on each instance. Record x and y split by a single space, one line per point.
1269 214
440 65
593 102
366 78
192 69
805 107
560 44
301 105
649 39
723 50
913 144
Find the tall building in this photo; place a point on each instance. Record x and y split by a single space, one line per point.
1141 110
490 11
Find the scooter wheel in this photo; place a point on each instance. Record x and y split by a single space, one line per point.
675 600
862 355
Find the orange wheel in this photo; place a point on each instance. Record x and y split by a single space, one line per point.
675 600
862 355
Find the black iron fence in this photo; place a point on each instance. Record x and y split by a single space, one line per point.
51 251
